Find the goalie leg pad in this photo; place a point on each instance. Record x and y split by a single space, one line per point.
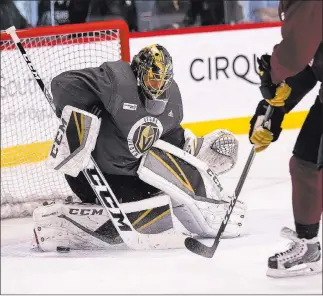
213 215
197 196
82 226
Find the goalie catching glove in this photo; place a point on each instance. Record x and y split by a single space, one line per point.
218 149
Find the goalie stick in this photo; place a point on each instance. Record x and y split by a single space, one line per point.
197 247
132 238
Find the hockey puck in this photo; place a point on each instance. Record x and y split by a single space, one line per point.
63 249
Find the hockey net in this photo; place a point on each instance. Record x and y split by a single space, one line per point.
28 124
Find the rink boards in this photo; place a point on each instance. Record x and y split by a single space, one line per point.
215 68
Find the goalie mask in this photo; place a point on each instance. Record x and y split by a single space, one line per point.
153 67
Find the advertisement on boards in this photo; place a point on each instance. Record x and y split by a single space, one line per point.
216 71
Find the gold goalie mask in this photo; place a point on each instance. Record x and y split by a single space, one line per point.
153 67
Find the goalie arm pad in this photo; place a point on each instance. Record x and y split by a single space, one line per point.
74 141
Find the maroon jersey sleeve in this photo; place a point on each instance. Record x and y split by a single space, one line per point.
302 35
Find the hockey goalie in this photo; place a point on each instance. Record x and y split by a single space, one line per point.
128 116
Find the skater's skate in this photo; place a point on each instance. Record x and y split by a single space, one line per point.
302 258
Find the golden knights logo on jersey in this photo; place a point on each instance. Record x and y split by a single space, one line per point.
147 135
143 135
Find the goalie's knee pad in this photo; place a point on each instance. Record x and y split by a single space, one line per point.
87 226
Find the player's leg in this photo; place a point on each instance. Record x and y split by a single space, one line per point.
81 188
304 254
81 226
306 195
125 188
130 188
86 225
198 198
320 160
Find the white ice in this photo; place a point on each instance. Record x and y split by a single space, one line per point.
239 265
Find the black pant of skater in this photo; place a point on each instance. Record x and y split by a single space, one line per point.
308 141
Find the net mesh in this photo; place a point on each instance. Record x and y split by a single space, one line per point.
28 124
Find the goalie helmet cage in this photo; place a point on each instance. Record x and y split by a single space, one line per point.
28 124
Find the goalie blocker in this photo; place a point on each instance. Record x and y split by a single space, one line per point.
194 193
74 141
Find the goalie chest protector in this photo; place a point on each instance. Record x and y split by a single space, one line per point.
127 129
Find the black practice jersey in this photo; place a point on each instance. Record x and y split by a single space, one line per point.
127 129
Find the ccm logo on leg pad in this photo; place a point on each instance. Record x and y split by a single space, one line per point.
86 212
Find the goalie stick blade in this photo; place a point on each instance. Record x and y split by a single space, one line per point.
198 248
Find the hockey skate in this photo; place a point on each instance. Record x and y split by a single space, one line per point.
302 258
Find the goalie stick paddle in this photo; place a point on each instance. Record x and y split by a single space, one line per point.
132 238
197 247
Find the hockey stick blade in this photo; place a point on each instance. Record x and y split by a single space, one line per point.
197 247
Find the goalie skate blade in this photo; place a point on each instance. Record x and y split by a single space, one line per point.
198 248
301 270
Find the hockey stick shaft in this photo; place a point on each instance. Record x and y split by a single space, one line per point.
93 174
197 247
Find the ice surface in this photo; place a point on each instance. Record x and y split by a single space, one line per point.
239 265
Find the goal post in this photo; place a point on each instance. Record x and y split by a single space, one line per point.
28 124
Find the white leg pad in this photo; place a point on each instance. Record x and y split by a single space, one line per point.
87 226
205 219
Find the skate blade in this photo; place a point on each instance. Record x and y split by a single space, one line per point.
299 270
